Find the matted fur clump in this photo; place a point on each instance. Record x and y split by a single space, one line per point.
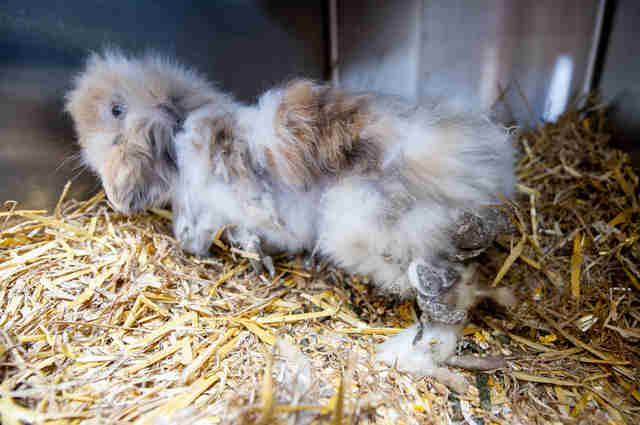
375 184
105 320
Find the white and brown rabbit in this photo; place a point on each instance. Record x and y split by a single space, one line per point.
378 186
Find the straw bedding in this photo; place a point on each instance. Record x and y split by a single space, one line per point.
104 320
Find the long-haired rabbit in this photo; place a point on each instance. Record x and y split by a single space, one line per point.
379 186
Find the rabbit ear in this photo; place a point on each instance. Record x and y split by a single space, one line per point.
160 134
161 139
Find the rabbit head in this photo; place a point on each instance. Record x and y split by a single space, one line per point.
126 113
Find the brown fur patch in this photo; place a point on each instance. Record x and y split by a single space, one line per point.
321 129
227 154
268 155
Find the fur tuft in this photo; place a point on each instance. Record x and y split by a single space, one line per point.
368 182
423 357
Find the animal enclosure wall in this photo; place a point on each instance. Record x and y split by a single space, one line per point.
469 51
542 54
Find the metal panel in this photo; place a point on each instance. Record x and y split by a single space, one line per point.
620 76
464 50
379 45
246 46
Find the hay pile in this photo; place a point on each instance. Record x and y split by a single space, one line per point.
104 320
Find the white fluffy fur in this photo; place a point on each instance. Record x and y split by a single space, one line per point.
470 163
437 344
372 225
353 232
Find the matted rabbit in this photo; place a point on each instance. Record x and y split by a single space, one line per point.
381 187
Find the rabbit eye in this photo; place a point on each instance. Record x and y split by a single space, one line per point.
117 110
